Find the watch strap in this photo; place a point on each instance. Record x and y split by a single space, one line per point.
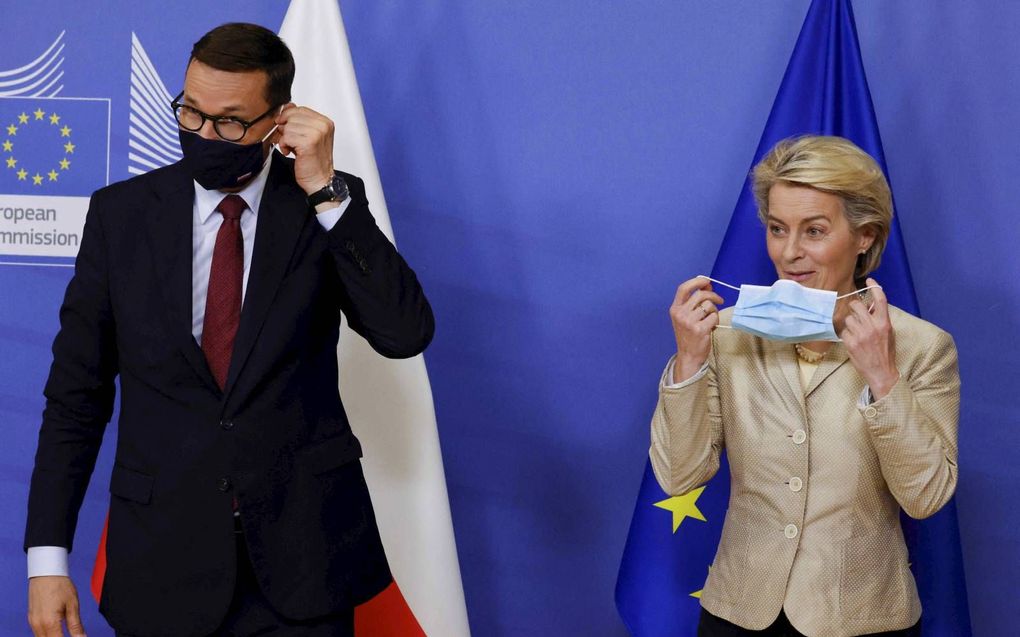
335 190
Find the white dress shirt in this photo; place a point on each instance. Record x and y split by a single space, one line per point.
52 560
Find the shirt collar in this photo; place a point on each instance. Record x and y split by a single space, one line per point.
207 200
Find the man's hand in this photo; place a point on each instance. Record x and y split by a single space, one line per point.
309 135
53 600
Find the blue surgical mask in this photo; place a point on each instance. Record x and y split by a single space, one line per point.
786 311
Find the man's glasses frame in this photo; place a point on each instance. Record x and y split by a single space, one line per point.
176 107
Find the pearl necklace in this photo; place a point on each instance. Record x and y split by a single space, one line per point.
808 355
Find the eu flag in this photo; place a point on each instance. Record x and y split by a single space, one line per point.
54 146
673 540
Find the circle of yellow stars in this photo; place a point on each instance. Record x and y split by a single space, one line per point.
24 119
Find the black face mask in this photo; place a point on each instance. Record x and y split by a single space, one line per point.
216 164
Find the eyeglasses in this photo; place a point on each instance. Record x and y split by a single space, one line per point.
229 129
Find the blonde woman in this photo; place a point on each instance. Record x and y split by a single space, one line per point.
827 439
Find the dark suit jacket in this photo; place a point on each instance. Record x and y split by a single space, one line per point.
276 438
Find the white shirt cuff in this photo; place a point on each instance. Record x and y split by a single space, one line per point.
690 381
329 218
47 560
865 398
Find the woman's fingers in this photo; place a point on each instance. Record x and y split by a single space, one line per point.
703 300
689 287
859 311
694 314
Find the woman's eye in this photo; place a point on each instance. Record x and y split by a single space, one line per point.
815 232
775 230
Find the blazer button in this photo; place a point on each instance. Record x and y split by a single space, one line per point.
224 484
795 484
799 437
790 531
227 424
870 412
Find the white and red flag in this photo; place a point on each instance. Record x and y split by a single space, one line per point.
397 426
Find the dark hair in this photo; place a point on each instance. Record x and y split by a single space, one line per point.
239 46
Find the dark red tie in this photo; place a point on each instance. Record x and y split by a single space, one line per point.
223 301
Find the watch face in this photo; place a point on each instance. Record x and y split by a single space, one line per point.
335 190
339 188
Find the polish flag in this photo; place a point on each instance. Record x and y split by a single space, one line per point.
403 464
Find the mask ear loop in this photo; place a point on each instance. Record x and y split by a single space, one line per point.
870 287
273 129
732 287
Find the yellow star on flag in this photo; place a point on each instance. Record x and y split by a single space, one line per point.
69 147
22 174
64 164
39 113
8 146
683 506
23 118
12 130
11 162
65 132
53 175
54 119
37 179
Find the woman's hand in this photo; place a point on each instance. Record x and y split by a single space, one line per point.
871 343
694 315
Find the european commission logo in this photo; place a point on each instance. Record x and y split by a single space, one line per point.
54 152
53 146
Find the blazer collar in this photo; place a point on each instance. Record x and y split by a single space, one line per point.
785 357
283 212
835 358
169 221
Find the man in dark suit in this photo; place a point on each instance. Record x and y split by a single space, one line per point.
214 288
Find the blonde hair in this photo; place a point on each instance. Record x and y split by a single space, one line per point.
834 165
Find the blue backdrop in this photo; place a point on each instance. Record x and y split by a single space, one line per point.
553 170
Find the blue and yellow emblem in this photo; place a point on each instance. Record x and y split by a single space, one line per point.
53 146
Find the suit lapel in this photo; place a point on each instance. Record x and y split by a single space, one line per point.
170 228
834 359
784 358
283 212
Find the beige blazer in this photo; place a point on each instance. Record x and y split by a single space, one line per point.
817 478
